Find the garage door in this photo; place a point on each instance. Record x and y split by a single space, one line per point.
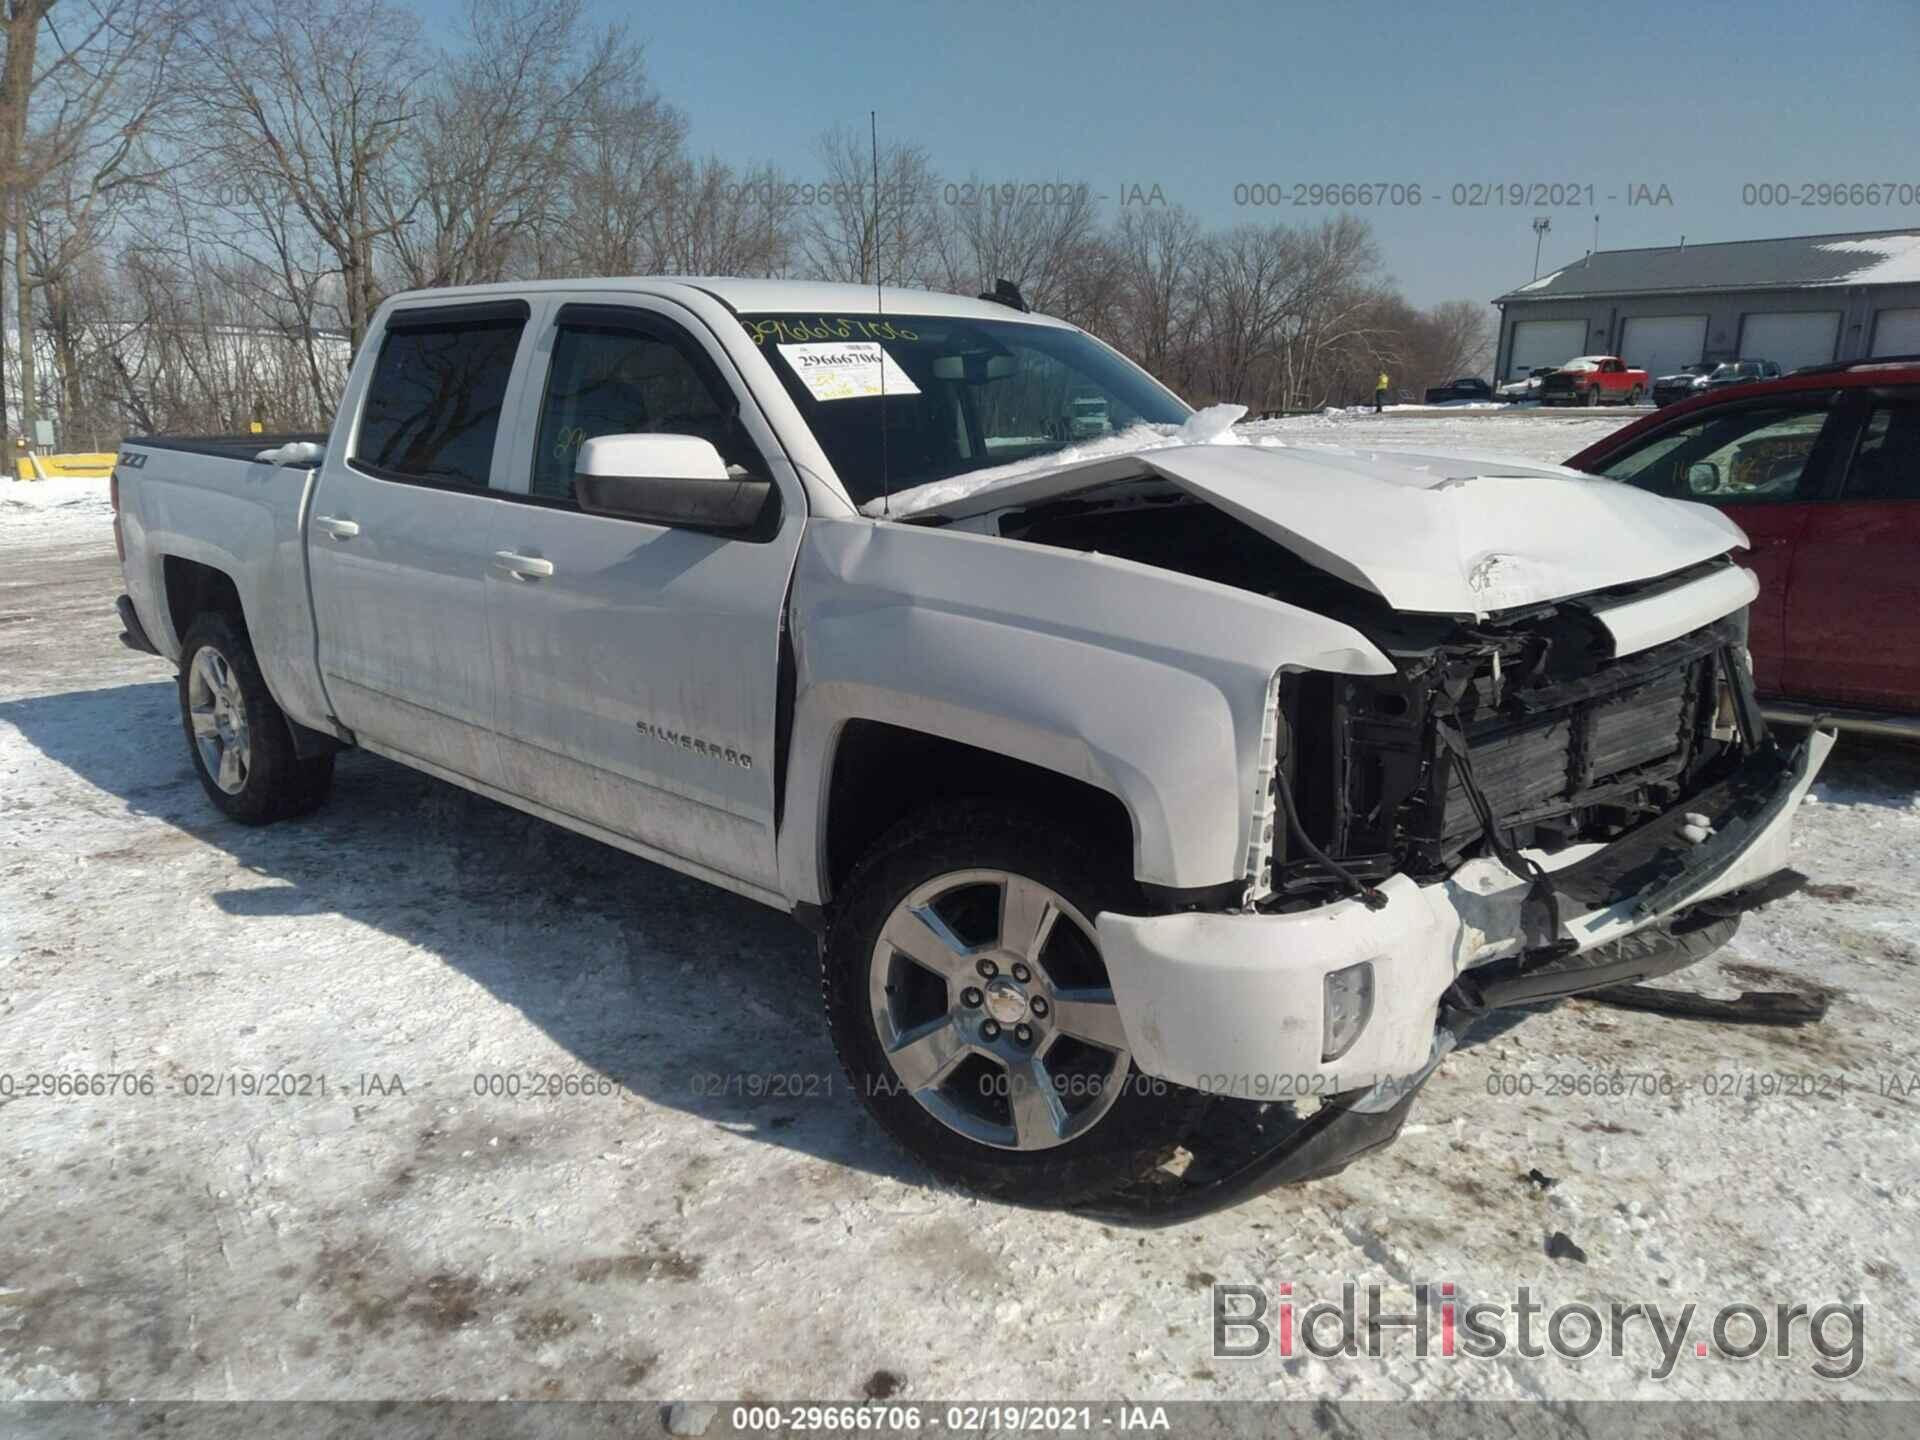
1896 332
1792 340
1545 342
1661 344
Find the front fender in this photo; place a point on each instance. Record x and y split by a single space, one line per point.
1147 684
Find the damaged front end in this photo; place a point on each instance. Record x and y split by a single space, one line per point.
1518 813
1528 732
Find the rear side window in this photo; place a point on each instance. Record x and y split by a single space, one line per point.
1886 462
433 403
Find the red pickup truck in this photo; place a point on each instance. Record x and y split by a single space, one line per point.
1594 380
1822 470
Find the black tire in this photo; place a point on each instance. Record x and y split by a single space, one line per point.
1633 396
1141 1127
1593 397
277 783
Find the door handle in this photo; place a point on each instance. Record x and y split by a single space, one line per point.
523 567
338 529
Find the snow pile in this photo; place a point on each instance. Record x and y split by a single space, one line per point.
39 503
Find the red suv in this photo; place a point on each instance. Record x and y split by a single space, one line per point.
1822 470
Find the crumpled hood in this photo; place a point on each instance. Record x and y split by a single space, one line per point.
1441 534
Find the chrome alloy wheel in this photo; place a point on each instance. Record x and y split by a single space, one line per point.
219 715
995 1011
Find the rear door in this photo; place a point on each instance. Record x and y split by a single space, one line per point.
1853 608
1765 464
639 672
400 539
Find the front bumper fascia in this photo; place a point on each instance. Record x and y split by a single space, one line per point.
1231 1003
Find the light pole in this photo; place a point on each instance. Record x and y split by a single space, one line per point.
1541 224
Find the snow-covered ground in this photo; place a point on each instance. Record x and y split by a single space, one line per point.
714 1216
29 505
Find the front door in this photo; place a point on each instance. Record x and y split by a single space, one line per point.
1765 465
400 537
1853 607
638 665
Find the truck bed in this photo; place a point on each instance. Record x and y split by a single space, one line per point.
190 505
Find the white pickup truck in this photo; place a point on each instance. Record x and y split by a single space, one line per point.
1126 780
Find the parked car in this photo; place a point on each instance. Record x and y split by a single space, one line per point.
1527 387
1741 372
1111 788
1683 384
1087 417
1594 380
1821 469
1467 387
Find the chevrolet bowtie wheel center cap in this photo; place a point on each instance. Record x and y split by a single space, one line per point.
1006 1001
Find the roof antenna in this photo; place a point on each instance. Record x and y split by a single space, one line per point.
880 310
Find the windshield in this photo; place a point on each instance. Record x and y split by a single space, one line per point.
960 394
1733 371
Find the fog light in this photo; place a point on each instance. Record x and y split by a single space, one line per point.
1347 1008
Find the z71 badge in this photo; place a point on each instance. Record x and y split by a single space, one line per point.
694 743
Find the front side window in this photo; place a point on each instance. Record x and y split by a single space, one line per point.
628 380
1751 454
958 394
1886 462
433 402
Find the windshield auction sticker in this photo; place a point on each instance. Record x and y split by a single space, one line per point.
848 370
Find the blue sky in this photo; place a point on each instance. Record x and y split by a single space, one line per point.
1699 96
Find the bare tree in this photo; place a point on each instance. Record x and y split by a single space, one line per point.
849 232
1459 338
1156 250
76 101
709 221
626 155
483 166
1040 236
309 106
1329 304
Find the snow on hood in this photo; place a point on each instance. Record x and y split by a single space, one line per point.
1443 534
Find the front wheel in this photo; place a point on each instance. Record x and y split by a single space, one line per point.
1593 397
975 1018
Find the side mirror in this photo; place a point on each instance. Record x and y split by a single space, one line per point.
1703 478
665 480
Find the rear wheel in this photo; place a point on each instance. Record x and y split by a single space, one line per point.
238 736
973 1013
1633 396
